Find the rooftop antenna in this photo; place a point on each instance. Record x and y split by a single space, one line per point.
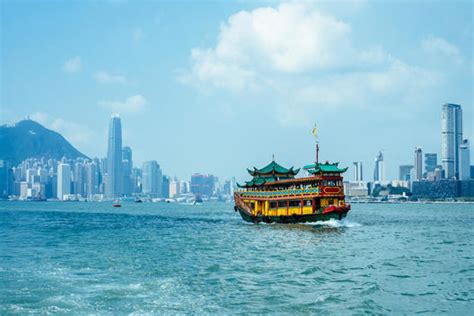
273 157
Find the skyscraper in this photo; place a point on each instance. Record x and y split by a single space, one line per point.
464 162
114 185
6 179
174 188
404 172
418 165
431 162
166 187
358 171
79 177
64 180
92 176
378 171
451 139
152 179
127 170
202 184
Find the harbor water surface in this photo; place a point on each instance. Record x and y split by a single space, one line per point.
162 258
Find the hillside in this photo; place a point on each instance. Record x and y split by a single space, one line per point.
28 139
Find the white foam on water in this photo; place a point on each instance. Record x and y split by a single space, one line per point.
321 298
334 223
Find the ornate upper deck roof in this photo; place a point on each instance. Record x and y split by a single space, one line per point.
324 168
273 169
271 172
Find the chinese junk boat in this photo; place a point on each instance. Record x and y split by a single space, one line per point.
275 195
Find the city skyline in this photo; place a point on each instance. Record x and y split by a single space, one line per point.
181 108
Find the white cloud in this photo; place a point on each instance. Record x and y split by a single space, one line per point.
105 77
303 60
138 34
72 65
441 47
288 39
132 104
75 133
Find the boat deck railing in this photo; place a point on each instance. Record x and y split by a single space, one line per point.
292 192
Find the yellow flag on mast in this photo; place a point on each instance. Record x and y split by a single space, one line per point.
315 131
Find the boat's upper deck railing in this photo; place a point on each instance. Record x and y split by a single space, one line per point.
310 190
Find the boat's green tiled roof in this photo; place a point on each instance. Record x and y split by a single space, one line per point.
324 167
271 169
257 181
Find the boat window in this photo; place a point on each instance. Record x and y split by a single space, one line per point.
282 204
295 203
307 202
273 204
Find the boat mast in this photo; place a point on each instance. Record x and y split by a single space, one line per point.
315 133
317 152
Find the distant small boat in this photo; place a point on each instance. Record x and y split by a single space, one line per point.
117 204
138 201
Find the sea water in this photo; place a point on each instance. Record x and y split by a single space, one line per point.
82 258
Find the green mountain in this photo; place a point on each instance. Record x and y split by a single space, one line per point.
29 139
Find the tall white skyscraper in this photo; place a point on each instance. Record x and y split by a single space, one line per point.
64 180
465 161
114 185
378 171
418 165
451 139
358 171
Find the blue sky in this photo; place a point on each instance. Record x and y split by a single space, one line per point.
216 87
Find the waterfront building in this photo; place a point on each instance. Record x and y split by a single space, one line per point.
451 139
30 175
379 168
174 186
42 175
114 185
431 162
202 184
152 179
404 172
166 187
358 171
6 179
79 177
127 171
103 165
418 165
464 161
92 182
228 187
472 172
136 180
24 190
64 180
356 189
